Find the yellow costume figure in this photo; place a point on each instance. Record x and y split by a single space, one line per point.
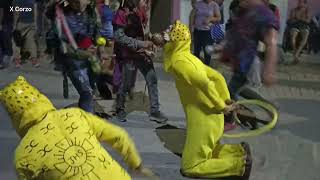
203 93
63 144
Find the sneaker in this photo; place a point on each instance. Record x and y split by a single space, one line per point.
121 115
2 66
158 117
35 63
248 165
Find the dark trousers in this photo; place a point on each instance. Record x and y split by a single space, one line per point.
5 43
201 39
102 84
237 88
83 81
147 70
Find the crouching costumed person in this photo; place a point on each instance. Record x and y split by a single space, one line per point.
205 99
64 144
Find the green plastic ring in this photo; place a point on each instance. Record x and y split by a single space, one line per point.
261 130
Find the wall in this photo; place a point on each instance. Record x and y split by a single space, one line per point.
185 9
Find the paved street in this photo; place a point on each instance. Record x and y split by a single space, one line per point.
290 152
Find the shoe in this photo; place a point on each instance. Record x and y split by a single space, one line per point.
248 165
121 115
2 67
35 63
158 117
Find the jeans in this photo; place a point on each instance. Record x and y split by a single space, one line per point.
201 40
82 80
102 85
237 81
28 31
147 70
41 18
6 50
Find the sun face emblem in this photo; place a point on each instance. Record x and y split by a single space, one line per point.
75 157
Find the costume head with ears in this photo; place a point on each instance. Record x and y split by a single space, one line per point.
25 104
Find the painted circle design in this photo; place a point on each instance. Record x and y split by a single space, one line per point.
75 156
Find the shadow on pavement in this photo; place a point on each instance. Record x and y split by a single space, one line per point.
172 137
309 109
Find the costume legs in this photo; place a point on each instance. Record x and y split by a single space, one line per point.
204 156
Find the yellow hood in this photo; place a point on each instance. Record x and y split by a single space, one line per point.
179 45
25 104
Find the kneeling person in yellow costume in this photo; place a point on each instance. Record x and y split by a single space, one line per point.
64 144
205 98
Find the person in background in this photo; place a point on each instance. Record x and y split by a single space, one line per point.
233 13
192 15
221 6
274 9
104 79
191 20
106 15
142 13
125 47
206 13
82 24
6 26
25 22
240 48
299 20
218 30
316 20
315 34
41 5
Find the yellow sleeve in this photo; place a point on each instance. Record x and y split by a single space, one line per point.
117 137
198 78
220 82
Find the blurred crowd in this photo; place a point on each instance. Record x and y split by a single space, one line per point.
101 44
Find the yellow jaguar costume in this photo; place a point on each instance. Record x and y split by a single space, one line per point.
203 93
63 144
